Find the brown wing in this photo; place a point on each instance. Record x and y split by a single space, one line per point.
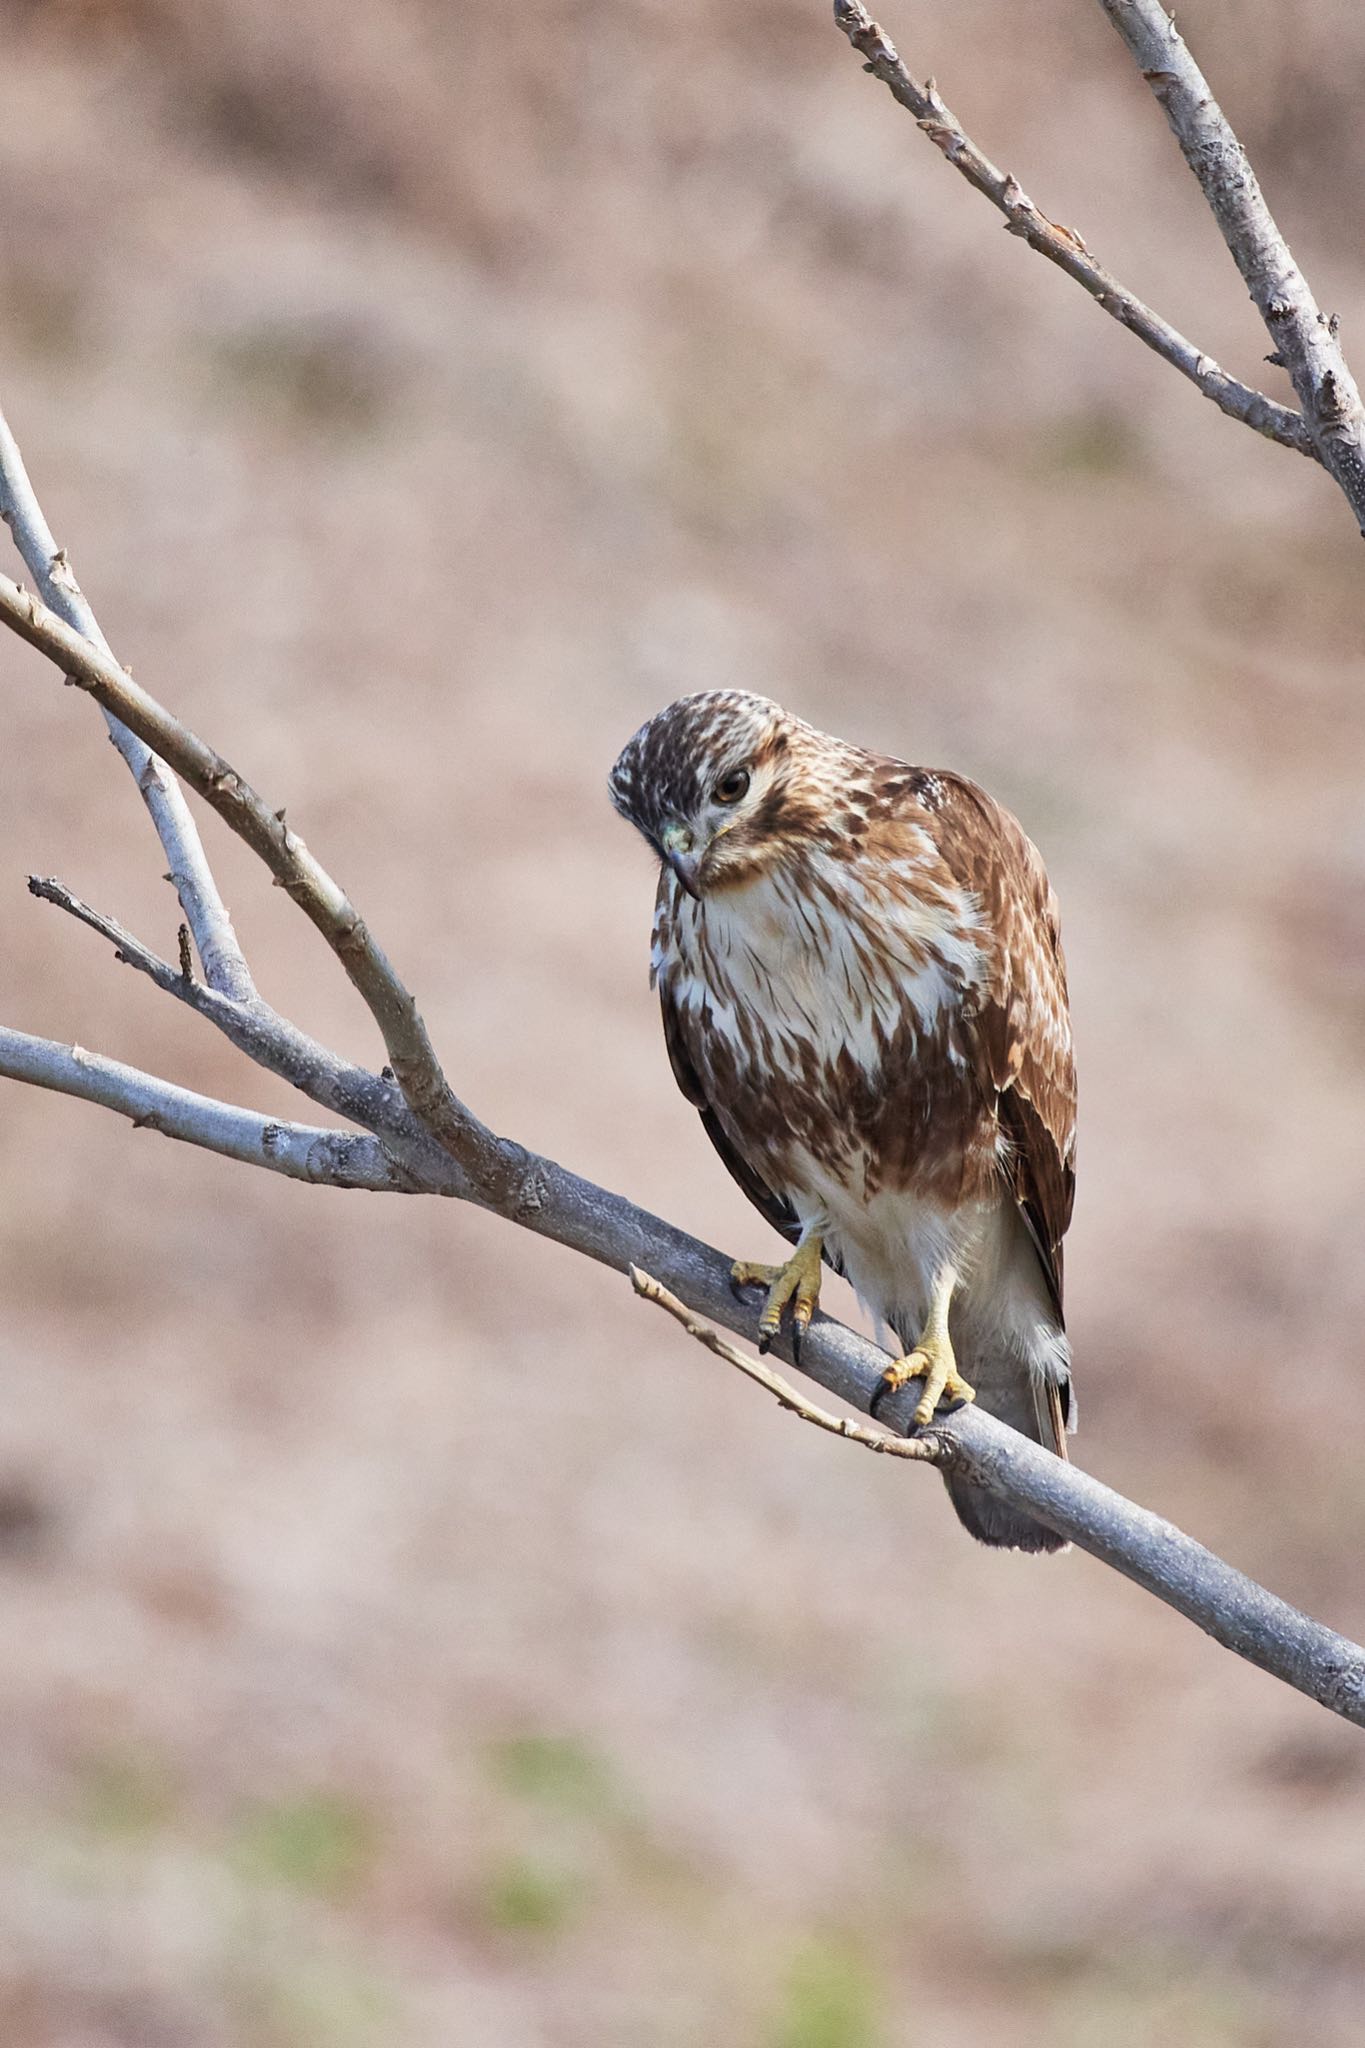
1024 1020
778 1212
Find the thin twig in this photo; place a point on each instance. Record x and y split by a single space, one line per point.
263 828
228 996
1304 339
925 1448
555 1203
339 1159
256 1030
1061 245
127 948
206 913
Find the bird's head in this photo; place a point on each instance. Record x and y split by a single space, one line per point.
715 784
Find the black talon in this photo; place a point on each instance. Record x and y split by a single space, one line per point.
765 1342
798 1332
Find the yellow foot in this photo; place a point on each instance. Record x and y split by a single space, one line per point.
931 1361
798 1282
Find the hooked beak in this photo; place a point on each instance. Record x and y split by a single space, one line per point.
683 857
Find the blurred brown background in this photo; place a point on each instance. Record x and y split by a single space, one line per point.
410 1639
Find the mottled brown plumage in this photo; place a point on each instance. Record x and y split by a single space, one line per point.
860 970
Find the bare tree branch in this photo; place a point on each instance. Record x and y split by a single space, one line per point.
557 1204
1231 1608
223 961
547 1199
1305 340
127 949
410 1051
341 1159
256 1030
925 1446
1226 1604
420 1137
1061 245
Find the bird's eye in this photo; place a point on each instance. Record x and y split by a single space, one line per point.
732 787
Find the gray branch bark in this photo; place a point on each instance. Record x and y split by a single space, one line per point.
557 1204
339 1159
205 911
1062 245
1305 340
250 1024
304 879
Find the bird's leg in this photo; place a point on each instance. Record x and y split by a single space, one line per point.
798 1282
931 1360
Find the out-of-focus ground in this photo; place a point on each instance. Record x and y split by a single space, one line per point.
410 1639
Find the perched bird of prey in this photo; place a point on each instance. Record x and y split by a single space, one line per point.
863 991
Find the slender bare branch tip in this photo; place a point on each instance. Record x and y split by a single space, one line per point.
224 964
129 950
1063 246
926 1447
1331 408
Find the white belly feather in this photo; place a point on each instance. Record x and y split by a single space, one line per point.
892 1246
766 949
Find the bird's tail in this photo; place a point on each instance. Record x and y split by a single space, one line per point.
1037 1408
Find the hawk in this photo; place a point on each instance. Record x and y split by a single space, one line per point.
860 968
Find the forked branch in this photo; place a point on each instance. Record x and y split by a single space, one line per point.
1227 1605
1305 340
543 1197
206 913
1062 245
415 1135
262 828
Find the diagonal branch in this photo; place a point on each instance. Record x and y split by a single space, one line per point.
557 1204
340 1159
924 1447
420 1149
255 1029
1305 340
1226 1604
1063 246
410 1051
271 1042
205 911
128 950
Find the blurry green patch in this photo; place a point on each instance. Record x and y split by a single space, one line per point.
558 1771
528 1896
831 1999
319 375
1098 443
321 1844
126 1793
